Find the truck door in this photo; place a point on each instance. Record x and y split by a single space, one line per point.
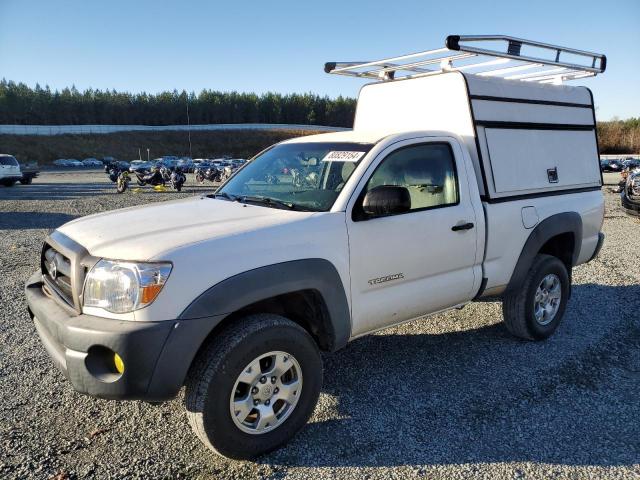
421 261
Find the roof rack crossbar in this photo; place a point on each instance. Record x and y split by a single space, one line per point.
460 49
522 76
507 70
431 61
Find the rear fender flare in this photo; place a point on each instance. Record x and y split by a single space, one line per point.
568 222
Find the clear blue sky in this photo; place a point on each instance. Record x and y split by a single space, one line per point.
281 46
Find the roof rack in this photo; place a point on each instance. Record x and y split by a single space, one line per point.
486 55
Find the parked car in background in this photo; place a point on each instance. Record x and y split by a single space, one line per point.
138 165
9 170
630 163
72 162
61 162
630 192
610 165
238 162
29 172
186 164
91 162
169 160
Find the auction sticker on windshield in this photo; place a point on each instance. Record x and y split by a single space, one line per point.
343 156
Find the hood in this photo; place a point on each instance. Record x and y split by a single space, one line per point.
147 232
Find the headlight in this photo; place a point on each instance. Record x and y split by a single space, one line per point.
122 287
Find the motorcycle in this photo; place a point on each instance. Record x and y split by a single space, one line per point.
122 182
212 173
177 178
227 171
112 172
157 176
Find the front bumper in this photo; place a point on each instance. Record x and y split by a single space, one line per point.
156 355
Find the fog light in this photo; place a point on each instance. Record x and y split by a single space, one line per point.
119 364
104 364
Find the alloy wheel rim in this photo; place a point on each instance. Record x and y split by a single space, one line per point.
266 392
546 302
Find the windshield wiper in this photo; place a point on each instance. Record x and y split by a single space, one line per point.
226 195
274 202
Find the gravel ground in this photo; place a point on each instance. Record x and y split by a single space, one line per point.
452 396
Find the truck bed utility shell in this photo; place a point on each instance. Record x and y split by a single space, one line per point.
524 138
527 134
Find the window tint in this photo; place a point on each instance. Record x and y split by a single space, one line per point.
8 161
427 171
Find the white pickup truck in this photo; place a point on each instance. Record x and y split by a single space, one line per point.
451 187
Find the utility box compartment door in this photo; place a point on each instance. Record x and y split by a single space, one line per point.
529 160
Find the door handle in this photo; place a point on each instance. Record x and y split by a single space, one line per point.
462 226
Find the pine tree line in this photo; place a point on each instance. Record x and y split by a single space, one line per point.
22 105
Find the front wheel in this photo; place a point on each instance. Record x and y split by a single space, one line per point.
536 309
254 386
26 180
122 185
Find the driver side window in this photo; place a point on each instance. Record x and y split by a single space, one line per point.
427 171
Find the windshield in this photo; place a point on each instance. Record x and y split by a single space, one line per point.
298 176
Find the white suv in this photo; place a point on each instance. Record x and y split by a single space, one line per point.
9 170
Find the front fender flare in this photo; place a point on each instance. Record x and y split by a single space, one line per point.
252 286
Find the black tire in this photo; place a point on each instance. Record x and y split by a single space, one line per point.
518 306
121 186
219 364
8 183
26 180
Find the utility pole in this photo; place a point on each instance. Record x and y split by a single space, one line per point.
189 127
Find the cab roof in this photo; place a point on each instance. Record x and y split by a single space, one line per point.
352 136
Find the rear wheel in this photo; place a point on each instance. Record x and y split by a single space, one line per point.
8 183
254 386
535 311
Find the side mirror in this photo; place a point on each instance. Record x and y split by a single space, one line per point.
386 200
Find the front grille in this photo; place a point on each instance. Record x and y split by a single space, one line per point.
64 264
635 187
57 270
